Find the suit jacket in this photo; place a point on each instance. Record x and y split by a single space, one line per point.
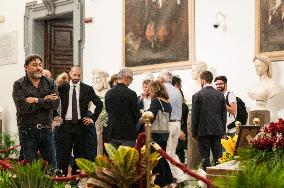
86 95
123 112
209 113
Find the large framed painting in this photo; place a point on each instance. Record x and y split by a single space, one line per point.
158 34
270 28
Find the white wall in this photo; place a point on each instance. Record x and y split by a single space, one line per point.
13 11
230 53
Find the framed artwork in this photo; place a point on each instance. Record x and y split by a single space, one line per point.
246 131
158 34
270 28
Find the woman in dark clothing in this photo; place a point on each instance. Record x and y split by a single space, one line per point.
160 101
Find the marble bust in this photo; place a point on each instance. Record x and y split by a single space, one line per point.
100 83
265 88
197 68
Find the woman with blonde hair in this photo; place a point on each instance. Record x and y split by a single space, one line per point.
61 78
160 101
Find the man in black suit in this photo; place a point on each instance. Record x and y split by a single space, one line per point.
123 111
208 118
75 98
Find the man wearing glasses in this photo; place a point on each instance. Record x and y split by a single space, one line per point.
123 111
231 104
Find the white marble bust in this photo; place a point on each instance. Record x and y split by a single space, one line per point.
100 83
196 70
265 88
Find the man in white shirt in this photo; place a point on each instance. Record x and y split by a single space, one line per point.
231 104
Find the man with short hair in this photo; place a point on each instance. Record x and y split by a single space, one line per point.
75 98
208 119
231 104
123 111
35 98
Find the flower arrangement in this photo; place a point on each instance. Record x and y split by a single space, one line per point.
230 146
270 137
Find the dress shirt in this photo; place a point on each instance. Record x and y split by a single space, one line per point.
175 100
69 110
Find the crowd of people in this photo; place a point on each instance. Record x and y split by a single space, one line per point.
56 122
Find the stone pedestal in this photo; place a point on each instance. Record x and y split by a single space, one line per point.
193 154
262 115
223 171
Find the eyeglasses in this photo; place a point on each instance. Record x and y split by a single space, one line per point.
130 78
218 84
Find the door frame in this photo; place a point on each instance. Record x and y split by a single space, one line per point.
34 26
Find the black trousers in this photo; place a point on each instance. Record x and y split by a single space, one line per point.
205 143
73 136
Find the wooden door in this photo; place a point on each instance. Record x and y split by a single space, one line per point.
58 46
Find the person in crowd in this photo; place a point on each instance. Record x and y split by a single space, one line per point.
35 97
113 80
182 141
75 98
62 78
123 111
144 99
46 73
175 96
231 104
160 101
209 116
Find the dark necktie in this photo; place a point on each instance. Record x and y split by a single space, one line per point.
74 106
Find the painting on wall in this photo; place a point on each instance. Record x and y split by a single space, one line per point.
270 28
158 34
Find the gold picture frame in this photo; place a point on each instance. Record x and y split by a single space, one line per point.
269 29
158 36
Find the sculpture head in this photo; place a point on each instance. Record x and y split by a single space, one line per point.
100 80
263 66
198 68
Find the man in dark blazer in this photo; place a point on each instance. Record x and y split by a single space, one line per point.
123 111
208 119
75 98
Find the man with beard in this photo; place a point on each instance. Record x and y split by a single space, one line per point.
231 104
35 98
75 98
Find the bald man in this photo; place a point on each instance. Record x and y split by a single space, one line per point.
75 98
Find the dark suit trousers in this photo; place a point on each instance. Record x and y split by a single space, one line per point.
205 143
73 136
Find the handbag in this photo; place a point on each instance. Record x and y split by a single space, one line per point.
161 122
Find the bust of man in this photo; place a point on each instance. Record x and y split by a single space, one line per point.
196 69
265 88
100 83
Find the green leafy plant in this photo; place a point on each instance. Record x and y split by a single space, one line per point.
120 168
34 175
7 141
259 168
